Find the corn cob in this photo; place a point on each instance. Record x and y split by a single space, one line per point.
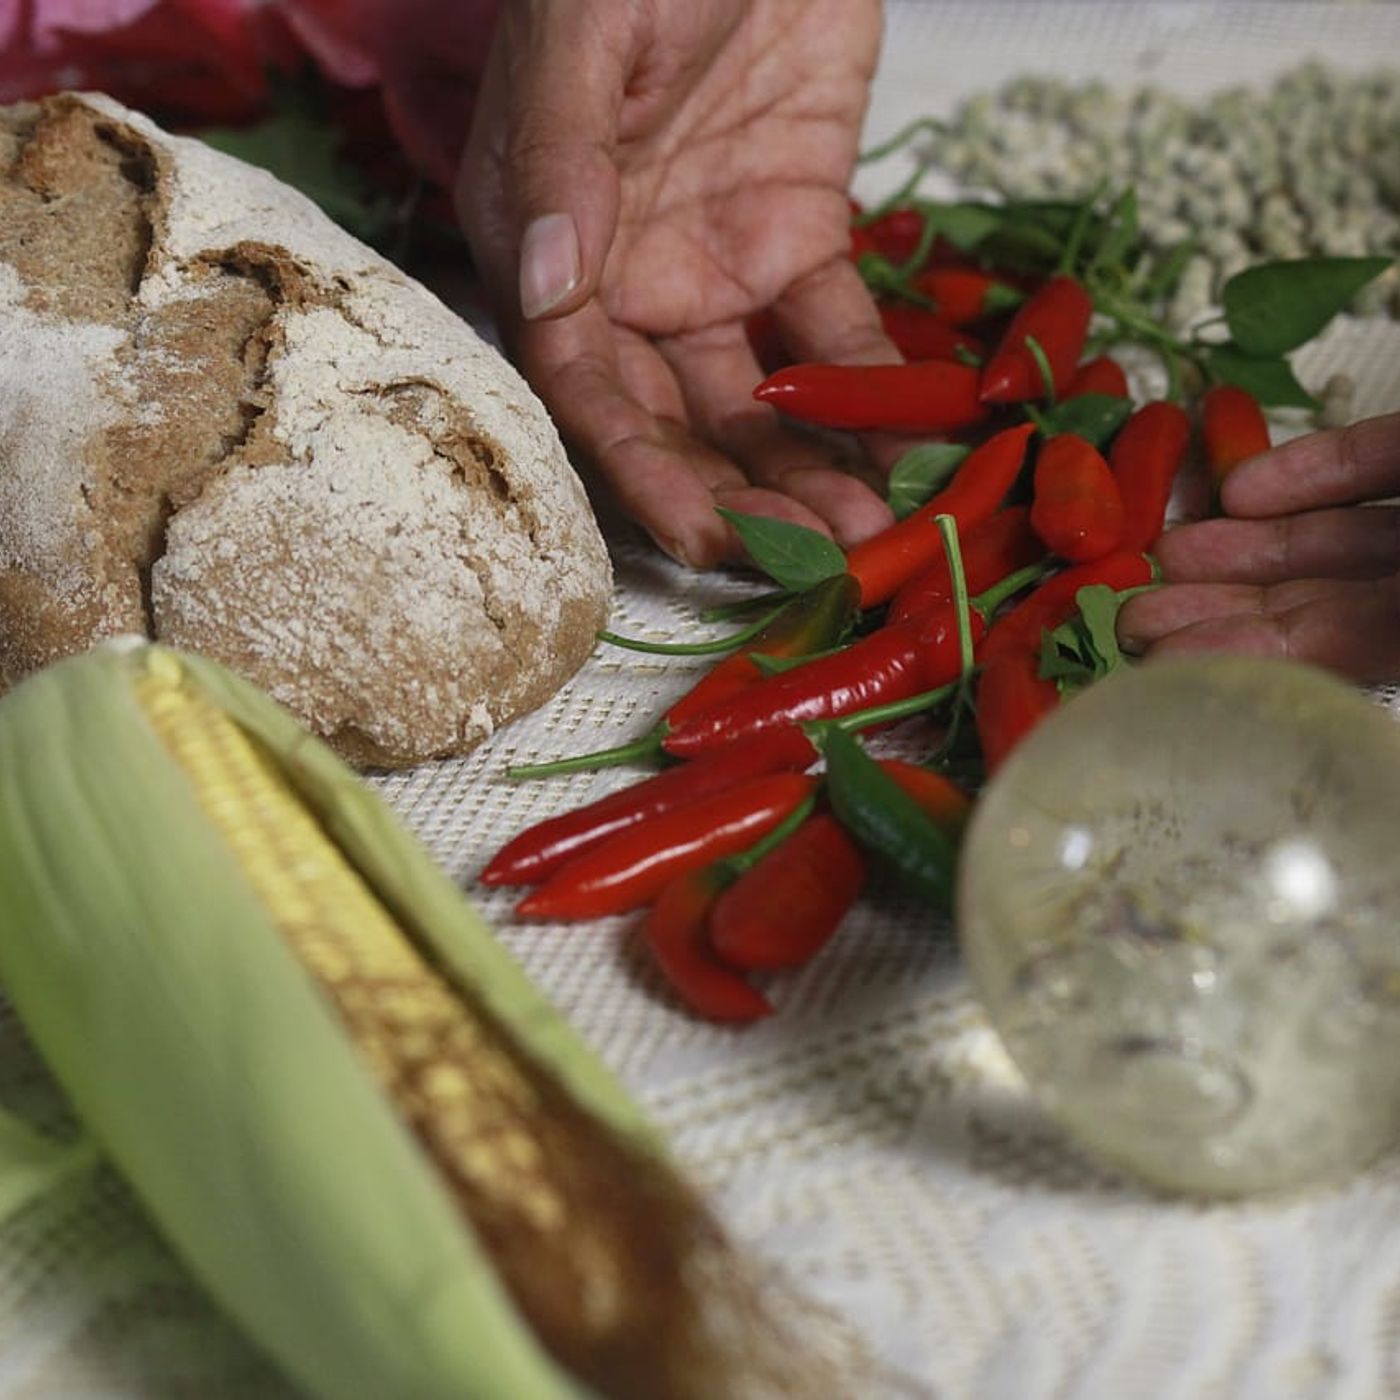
342 1102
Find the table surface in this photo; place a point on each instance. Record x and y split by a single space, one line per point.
871 1141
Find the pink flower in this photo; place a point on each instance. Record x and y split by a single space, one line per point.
427 55
190 60
196 62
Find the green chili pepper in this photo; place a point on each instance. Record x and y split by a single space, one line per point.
884 819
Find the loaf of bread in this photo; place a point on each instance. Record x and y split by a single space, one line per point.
228 425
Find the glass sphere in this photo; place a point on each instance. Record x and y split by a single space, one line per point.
1179 901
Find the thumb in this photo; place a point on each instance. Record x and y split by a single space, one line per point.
549 115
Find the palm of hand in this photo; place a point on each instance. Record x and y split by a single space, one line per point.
732 177
700 151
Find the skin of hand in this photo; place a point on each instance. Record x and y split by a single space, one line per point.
641 175
1304 563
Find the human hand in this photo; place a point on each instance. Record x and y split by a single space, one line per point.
639 179
1298 567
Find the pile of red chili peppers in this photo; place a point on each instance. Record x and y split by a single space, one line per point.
748 847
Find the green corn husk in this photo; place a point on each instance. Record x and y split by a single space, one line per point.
215 1073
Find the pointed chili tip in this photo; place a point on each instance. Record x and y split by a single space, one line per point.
997 386
495 873
539 904
776 386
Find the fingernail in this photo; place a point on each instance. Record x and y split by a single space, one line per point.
669 544
549 263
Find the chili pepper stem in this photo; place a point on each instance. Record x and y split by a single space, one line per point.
742 607
948 528
710 648
1074 244
646 749
881 714
901 138
990 599
737 865
1042 362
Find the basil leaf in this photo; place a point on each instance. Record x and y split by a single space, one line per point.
919 473
791 555
964 224
1061 658
1271 381
1098 608
1085 648
1278 306
1094 417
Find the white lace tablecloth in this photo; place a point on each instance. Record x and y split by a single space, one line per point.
871 1138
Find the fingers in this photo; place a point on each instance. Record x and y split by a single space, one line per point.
1348 626
829 315
1338 466
1356 542
717 371
541 154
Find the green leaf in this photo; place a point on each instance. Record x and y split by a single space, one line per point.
1062 659
964 224
791 555
1098 610
1094 417
921 472
301 148
1278 306
1271 381
1085 648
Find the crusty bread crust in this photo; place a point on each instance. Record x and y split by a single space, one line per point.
228 425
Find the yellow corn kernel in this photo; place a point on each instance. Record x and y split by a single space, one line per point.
583 1229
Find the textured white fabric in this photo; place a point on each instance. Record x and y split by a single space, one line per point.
871 1139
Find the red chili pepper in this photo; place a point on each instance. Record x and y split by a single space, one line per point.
999 545
675 931
1053 601
885 562
896 234
1145 457
813 621
938 797
631 868
537 852
920 335
888 664
1101 375
1077 509
1234 428
785 908
961 295
926 396
1057 317
1012 698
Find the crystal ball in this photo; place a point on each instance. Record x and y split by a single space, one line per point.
1179 901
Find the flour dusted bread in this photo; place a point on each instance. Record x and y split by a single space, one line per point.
228 425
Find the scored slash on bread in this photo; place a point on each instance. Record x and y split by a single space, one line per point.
228 425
